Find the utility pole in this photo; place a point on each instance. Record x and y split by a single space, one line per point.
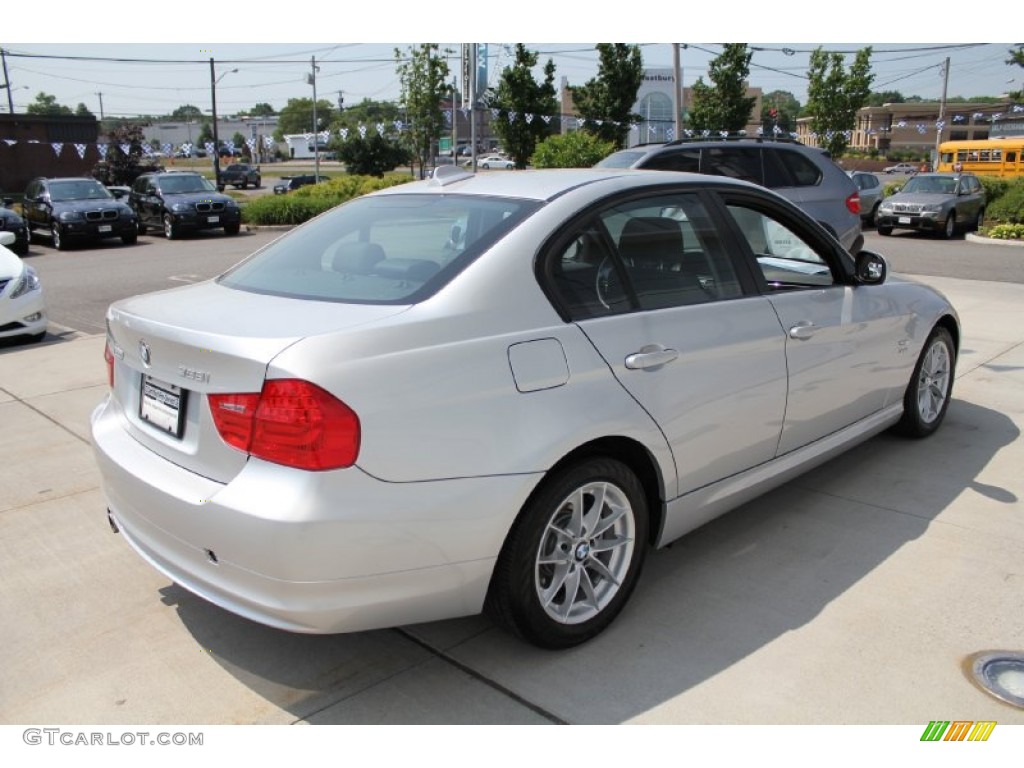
100 94
677 77
942 111
7 82
311 79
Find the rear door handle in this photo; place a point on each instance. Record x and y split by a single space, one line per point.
651 356
803 330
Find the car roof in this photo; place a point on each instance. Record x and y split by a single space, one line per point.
547 184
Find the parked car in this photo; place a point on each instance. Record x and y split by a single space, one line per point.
22 306
74 210
496 161
11 222
804 175
902 168
309 439
288 183
940 203
240 176
870 194
180 201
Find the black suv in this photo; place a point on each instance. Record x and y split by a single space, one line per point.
806 176
289 183
240 176
76 209
12 222
180 201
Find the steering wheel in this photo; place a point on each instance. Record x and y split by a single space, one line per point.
606 282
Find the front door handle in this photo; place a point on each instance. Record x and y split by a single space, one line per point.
651 356
803 330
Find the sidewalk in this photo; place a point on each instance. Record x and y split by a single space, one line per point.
851 595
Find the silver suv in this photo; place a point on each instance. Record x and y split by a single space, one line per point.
806 176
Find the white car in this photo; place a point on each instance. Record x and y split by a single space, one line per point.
22 307
902 168
495 161
497 391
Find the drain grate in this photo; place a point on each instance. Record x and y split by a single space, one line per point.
999 673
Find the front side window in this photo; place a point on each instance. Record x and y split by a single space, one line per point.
648 254
389 249
785 260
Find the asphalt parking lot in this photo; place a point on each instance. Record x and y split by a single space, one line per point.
851 595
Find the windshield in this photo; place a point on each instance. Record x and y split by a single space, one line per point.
178 185
937 185
392 249
78 189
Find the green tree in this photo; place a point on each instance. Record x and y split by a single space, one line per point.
834 95
877 99
187 112
297 117
578 149
606 102
423 75
83 111
263 110
521 101
46 104
1017 57
369 112
373 156
124 161
786 106
724 106
205 135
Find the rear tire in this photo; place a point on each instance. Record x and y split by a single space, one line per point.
979 220
930 388
573 556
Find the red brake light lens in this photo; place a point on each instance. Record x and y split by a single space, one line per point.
853 203
108 357
291 422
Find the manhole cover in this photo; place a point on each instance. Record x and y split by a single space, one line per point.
1000 673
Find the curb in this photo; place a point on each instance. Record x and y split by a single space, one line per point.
992 241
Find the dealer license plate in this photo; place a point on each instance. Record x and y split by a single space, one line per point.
213 219
163 405
106 228
904 219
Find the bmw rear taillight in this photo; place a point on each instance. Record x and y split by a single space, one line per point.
291 422
108 357
853 203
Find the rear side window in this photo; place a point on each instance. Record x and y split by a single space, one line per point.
802 169
391 249
735 162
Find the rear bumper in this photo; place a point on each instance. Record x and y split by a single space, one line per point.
309 552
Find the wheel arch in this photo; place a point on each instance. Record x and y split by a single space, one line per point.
635 456
950 324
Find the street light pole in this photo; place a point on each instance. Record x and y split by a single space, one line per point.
213 103
311 79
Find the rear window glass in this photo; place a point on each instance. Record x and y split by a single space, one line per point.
624 159
687 160
804 172
391 249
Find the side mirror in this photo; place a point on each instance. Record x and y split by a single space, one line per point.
871 268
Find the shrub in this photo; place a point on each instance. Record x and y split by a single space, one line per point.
1009 207
578 149
1006 232
306 202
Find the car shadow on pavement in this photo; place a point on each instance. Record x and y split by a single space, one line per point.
720 594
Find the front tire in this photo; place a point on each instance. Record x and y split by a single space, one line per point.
232 229
930 388
171 231
130 239
58 239
573 556
948 227
885 231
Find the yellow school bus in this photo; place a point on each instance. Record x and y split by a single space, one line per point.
985 157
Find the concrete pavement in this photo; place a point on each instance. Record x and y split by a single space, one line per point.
851 595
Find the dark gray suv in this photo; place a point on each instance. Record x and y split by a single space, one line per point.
806 176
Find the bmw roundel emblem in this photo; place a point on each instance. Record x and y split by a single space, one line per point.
144 353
